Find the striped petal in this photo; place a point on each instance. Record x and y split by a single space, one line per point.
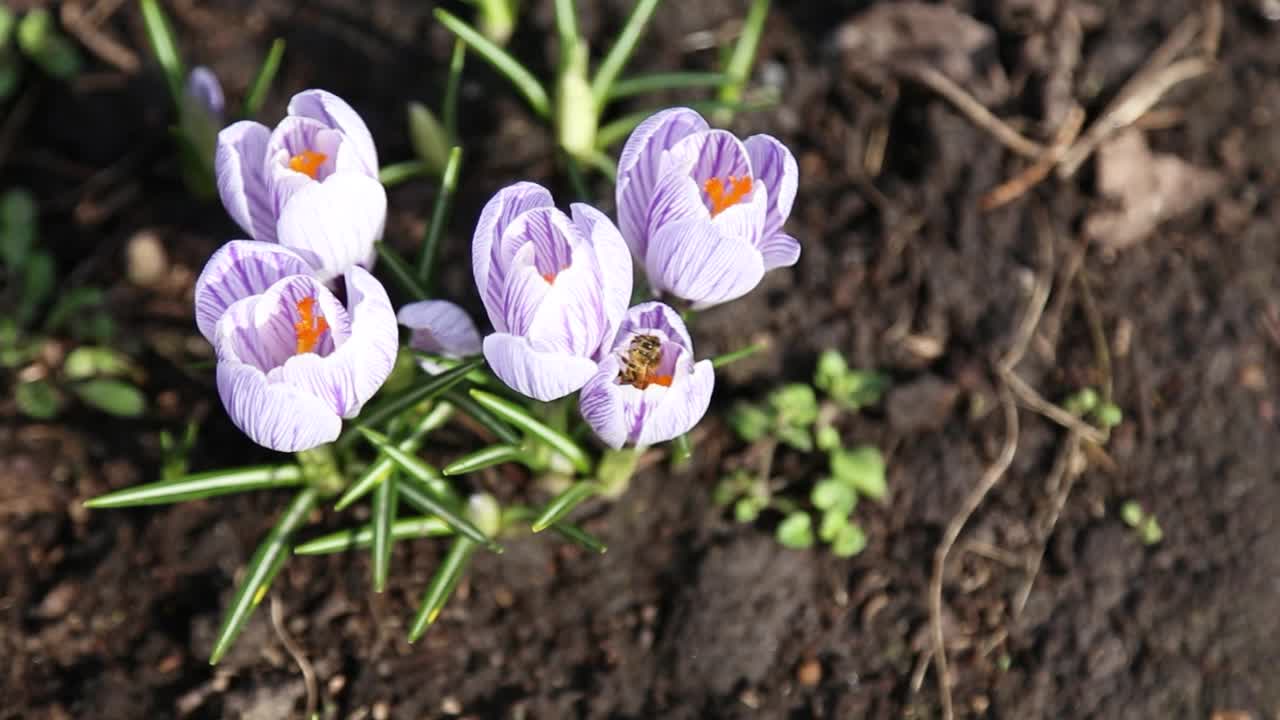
440 327
334 112
239 269
639 165
240 167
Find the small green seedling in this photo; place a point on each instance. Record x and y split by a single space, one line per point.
1145 524
794 415
1089 403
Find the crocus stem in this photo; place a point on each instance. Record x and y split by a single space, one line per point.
615 470
320 470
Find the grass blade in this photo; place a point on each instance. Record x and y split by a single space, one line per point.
570 532
392 175
442 585
400 272
501 60
425 389
621 51
564 503
439 216
359 538
566 24
262 81
201 485
162 40
477 412
520 418
384 517
437 501
382 468
261 570
483 458
640 84
450 109
744 54
720 361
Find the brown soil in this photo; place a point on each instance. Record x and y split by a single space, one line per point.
111 614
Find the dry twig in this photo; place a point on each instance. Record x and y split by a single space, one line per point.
967 104
1061 479
295 652
1019 184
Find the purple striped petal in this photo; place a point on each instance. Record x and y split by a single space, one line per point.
639 165
240 166
504 207
621 414
570 317
346 378
203 87
536 373
614 260
260 330
276 416
692 260
440 327
653 316
680 407
779 250
334 112
334 224
773 165
239 269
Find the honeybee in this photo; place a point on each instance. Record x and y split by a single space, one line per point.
641 361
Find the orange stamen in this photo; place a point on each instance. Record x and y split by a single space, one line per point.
309 327
307 162
550 278
651 379
721 200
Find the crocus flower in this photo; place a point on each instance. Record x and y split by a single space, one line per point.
440 327
555 288
293 360
647 388
311 184
702 210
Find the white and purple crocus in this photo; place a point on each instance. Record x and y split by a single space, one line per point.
311 184
656 401
701 210
555 287
293 360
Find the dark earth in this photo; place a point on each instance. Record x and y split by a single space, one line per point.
111 614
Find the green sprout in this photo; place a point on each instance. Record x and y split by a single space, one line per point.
1087 402
1145 524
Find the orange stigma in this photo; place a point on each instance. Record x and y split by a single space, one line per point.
310 326
721 200
550 278
307 162
651 379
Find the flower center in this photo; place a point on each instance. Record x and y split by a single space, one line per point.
724 198
307 162
640 363
310 326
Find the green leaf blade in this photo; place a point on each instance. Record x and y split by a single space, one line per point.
262 81
501 60
200 486
483 458
384 517
360 538
518 417
564 503
442 586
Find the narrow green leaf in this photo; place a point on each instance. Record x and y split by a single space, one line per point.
566 24
621 51
744 54
262 569
483 458
395 174
442 586
438 502
18 222
261 84
653 82
477 412
439 216
501 60
382 468
114 397
38 280
425 389
720 361
201 485
384 517
450 109
166 48
400 272
564 503
520 418
405 529
568 531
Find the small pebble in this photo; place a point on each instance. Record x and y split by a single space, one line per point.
381 711
809 674
148 264
450 706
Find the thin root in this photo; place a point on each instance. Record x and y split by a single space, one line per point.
295 652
